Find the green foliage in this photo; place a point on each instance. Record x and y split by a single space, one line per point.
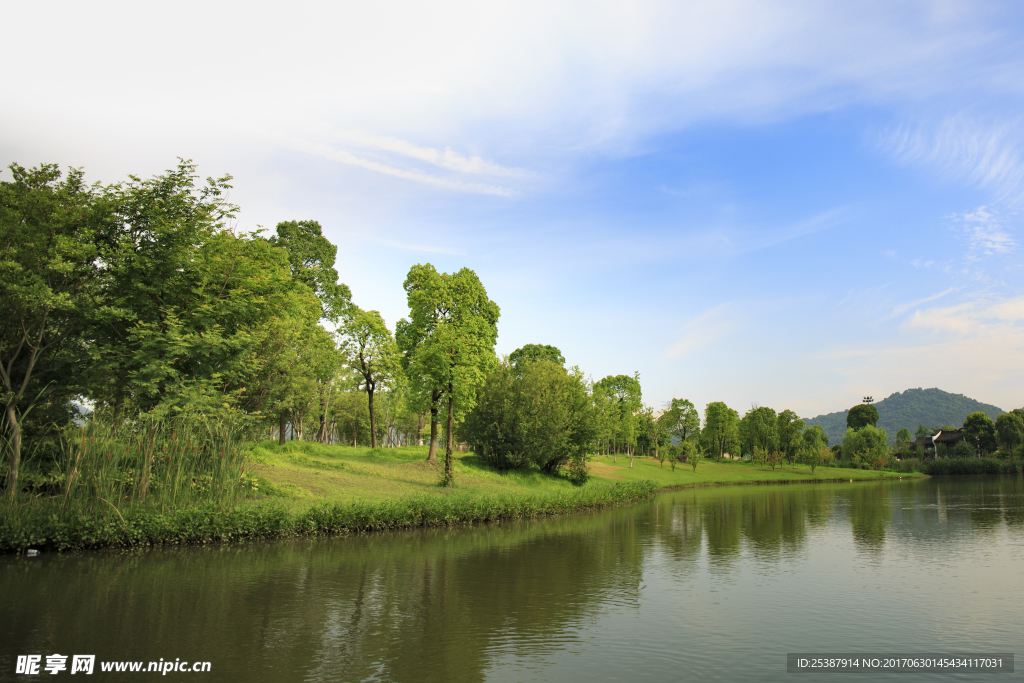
49 286
535 352
867 445
694 455
961 466
909 408
448 341
759 428
538 414
861 416
721 429
962 449
980 432
815 455
1010 430
789 428
681 419
372 353
100 528
311 259
622 412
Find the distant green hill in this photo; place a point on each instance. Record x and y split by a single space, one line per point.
929 407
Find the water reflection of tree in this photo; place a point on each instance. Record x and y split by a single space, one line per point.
438 605
870 510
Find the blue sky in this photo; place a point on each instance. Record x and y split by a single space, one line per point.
793 204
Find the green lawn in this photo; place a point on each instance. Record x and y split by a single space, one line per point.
301 472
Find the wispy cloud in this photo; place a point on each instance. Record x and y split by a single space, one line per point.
711 326
989 155
973 347
446 158
420 247
416 175
903 308
985 232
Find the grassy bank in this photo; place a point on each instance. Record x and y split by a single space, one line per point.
305 489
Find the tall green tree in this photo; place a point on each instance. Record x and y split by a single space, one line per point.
759 428
372 353
681 419
49 285
789 427
721 428
1010 430
449 343
627 400
903 440
862 415
532 352
980 432
311 257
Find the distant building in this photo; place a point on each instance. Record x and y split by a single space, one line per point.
941 442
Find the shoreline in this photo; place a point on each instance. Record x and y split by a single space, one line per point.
268 519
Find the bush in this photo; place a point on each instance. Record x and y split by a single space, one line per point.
536 413
961 466
909 465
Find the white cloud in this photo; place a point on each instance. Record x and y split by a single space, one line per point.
446 158
903 308
711 326
346 157
975 347
986 234
984 154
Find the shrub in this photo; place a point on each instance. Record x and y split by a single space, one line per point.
536 413
960 466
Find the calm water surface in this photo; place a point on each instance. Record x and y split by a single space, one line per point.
704 585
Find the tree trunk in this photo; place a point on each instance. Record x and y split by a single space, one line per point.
281 428
373 418
12 471
449 462
432 454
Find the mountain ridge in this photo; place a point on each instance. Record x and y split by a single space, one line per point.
910 408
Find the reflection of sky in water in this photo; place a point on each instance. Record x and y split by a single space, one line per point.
712 584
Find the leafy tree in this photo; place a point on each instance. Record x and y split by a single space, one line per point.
789 428
814 436
814 456
923 432
903 440
372 354
862 415
537 413
980 432
721 428
311 258
694 455
627 401
1010 430
533 352
449 343
867 444
760 429
49 283
681 419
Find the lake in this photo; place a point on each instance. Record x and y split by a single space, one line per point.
703 584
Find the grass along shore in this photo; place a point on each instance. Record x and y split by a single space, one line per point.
306 488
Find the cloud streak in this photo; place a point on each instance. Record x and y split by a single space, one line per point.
445 158
711 326
987 155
